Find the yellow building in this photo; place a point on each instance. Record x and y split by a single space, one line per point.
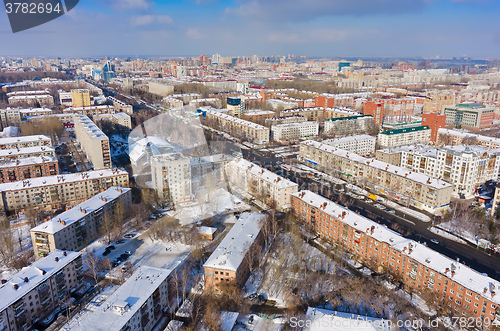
80 98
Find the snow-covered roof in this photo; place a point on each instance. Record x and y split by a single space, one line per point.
228 319
26 150
297 124
36 273
78 212
264 174
90 127
138 148
28 161
465 276
233 248
329 320
61 179
468 134
23 139
343 140
196 161
135 291
259 112
238 120
207 230
37 96
395 170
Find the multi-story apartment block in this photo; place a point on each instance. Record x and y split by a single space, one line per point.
22 153
77 227
30 99
91 110
339 112
348 125
161 89
171 177
436 100
137 305
32 167
65 98
470 115
93 141
257 116
121 107
466 167
408 136
10 117
360 144
455 137
311 113
122 119
256 133
80 98
230 261
465 291
284 120
434 121
51 192
390 155
28 112
264 185
25 141
206 167
423 192
376 110
37 290
294 131
236 107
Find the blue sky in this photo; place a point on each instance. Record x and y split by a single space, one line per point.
264 27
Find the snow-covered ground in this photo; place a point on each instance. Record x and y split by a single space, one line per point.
21 234
219 202
466 235
258 324
445 234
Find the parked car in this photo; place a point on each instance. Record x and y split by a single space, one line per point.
128 253
435 241
106 252
129 235
121 241
110 248
124 256
252 296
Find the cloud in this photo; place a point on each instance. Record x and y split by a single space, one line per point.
193 33
165 19
150 19
293 10
129 4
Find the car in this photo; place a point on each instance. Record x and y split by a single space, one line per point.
128 253
129 235
390 211
115 263
124 256
369 201
252 296
124 269
121 241
106 252
250 319
435 241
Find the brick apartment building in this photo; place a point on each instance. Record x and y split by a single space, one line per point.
21 169
434 121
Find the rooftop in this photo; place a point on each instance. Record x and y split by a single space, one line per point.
24 139
61 179
90 127
468 134
299 124
59 222
237 120
465 276
264 174
406 130
25 150
28 161
329 320
232 249
350 118
35 274
132 295
338 141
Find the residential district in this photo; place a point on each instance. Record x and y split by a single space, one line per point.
249 193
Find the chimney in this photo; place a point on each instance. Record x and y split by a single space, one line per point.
56 259
16 287
4 281
65 254
26 279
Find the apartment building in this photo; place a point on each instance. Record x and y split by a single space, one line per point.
90 111
256 133
436 100
28 112
407 136
136 305
32 167
161 89
434 121
171 177
122 119
80 98
25 141
93 141
10 117
121 107
79 226
311 113
229 263
257 116
470 115
466 167
294 131
260 183
205 167
390 155
22 153
348 125
51 192
375 109
38 289
455 137
236 108
339 112
404 186
466 292
284 120
65 98
31 100
360 144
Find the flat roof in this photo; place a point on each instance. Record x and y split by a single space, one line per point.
232 249
465 276
336 141
289 125
469 134
134 292
78 212
26 150
28 161
329 320
406 130
395 170
264 174
61 179
23 139
238 120
349 118
37 273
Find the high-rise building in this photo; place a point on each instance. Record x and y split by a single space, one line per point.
80 98
108 71
171 177
93 141
434 121
235 106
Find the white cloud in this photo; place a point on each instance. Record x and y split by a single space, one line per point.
193 33
165 19
130 4
143 19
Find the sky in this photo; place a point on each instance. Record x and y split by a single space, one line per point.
323 28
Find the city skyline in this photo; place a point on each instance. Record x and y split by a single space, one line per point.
422 28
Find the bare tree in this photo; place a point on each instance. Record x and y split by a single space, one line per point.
94 265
